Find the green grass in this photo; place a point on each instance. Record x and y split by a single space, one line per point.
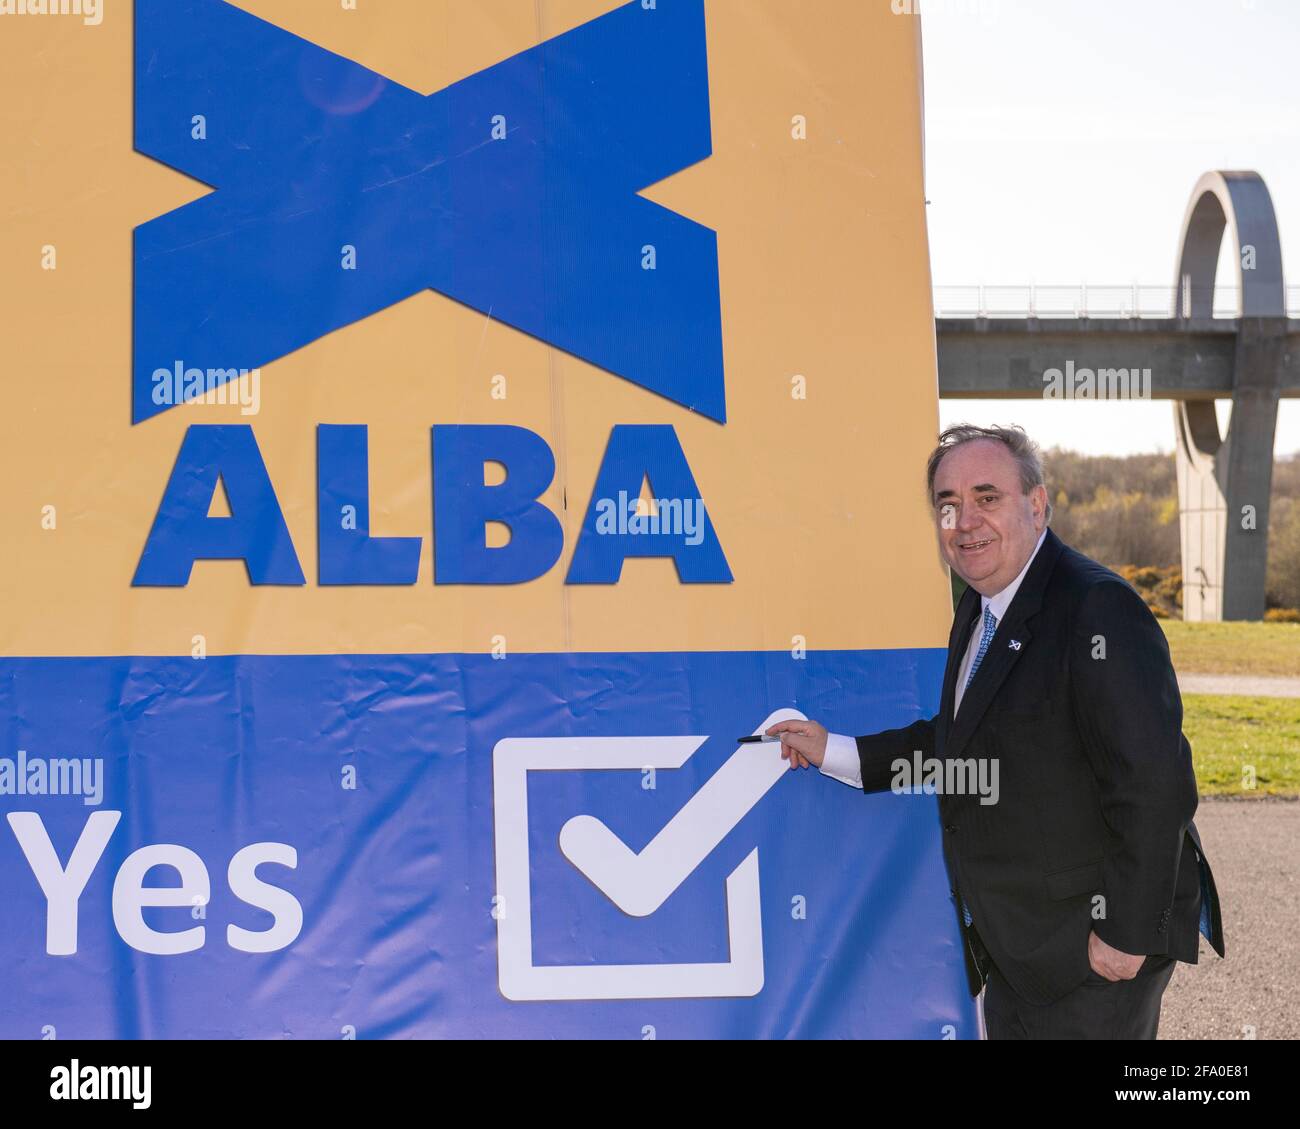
1229 733
1234 648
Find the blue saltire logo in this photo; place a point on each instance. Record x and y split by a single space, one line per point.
514 191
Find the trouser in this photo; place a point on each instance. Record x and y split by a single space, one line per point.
1097 1009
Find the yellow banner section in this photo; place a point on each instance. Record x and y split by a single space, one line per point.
814 485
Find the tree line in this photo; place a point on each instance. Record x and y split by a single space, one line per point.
1123 511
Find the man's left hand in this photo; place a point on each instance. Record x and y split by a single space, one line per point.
1110 962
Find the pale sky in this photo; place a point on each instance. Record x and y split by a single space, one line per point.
1063 138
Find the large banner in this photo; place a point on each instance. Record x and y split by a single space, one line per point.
436 431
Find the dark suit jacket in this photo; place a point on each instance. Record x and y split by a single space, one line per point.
1096 784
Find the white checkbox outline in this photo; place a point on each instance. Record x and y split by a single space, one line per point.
713 811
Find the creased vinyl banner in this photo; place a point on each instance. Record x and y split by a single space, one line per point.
435 432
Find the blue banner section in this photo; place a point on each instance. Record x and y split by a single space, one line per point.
461 845
340 193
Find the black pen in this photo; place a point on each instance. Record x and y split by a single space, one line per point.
758 738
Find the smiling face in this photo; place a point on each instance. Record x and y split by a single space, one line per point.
987 525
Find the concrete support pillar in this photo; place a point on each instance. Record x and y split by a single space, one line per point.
1202 509
1224 482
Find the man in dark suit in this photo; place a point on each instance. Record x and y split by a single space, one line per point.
1078 878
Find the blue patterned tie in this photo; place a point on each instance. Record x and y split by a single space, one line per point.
990 626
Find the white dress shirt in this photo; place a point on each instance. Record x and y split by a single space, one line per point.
842 761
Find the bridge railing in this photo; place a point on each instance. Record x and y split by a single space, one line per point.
1088 300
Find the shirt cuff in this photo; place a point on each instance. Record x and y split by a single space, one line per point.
841 760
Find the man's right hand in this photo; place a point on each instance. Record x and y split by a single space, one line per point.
803 743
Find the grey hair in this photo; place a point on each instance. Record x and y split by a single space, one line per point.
1023 449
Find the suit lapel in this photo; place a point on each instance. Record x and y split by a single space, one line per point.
963 623
1003 652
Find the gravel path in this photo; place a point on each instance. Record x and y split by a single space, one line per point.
1248 684
1254 847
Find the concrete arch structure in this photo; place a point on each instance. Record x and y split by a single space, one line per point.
1224 482
1194 358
